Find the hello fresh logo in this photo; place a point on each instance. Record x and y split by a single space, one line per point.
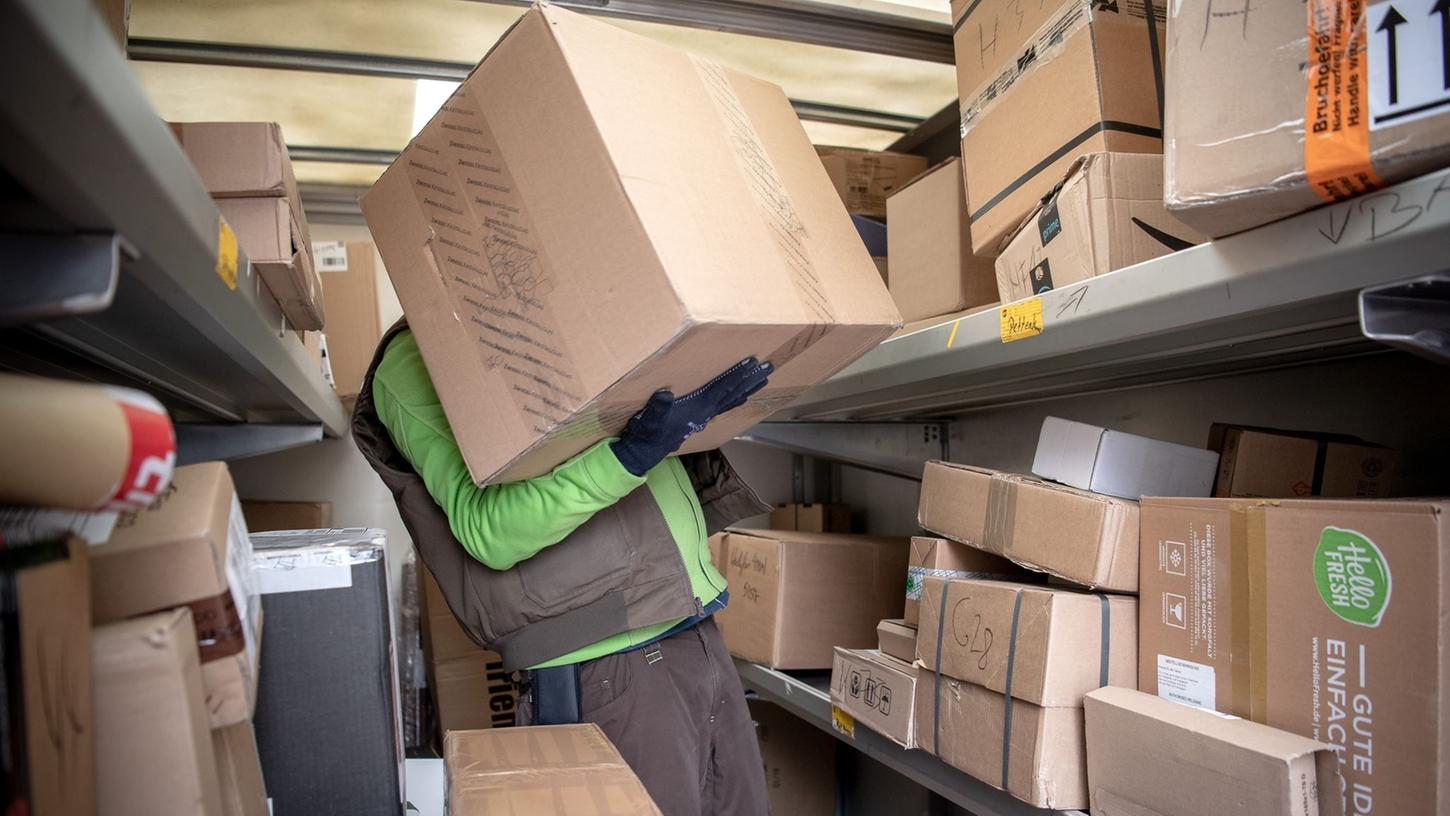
1353 576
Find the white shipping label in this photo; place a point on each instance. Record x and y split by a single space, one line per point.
242 579
1184 681
330 256
1409 60
303 571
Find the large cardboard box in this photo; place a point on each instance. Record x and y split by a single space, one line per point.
154 753
1219 766
594 215
812 518
548 770
1274 464
930 248
354 324
897 638
865 179
943 558
1106 214
1034 753
190 548
1378 109
1046 645
263 516
1121 464
468 684
239 771
796 596
878 691
988 34
799 759
1084 82
1326 618
954 497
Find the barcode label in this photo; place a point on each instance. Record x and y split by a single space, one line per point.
331 256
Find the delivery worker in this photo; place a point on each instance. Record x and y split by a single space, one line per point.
596 577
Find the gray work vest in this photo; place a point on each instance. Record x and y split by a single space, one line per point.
618 571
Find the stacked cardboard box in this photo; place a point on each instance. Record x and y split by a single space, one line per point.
264 516
812 518
875 690
943 558
1272 464
930 247
546 770
468 684
799 759
245 167
865 179
354 325
897 638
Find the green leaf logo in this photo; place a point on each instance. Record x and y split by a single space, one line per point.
1353 576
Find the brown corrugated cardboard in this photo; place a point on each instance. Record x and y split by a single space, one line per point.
239 771
988 34
795 596
354 327
878 691
930 247
1043 749
274 235
154 752
897 638
286 515
1275 464
799 759
472 692
239 159
594 215
864 179
1219 766
1107 214
943 558
190 548
1293 601
811 518
1088 80
954 498
1264 162
548 770
1049 646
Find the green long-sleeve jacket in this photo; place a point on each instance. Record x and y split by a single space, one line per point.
503 524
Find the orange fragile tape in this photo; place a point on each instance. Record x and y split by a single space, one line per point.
1336 102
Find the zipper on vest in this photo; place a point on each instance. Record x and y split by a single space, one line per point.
694 503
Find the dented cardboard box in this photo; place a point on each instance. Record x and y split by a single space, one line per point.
877 691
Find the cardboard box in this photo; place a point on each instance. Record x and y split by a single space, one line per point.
1121 464
812 518
1105 215
1084 537
796 596
549 770
470 693
878 691
942 558
263 516
1043 749
340 690
153 744
931 247
595 215
50 761
989 34
1066 642
354 324
799 759
1283 610
273 234
1083 82
1220 766
1274 464
1264 162
443 638
190 548
897 638
239 771
239 159
864 179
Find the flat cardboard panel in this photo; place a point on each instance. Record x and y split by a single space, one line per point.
154 753
1221 766
353 323
931 247
897 639
954 501
239 771
286 515
865 179
1268 463
1063 643
799 759
582 173
944 558
878 690
1121 464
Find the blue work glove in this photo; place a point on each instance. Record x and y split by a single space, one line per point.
665 422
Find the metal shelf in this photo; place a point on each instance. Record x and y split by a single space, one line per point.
808 697
82 153
1283 294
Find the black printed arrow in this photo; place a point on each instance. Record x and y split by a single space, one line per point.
1442 8
1173 242
1393 18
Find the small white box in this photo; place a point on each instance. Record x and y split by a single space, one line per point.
1121 464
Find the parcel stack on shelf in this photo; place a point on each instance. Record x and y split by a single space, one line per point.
561 254
245 167
468 685
1266 463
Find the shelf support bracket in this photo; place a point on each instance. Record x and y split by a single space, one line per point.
1412 315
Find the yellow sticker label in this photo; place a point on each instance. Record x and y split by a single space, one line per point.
1021 319
226 253
843 723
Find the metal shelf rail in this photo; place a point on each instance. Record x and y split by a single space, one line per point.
82 153
1279 295
808 699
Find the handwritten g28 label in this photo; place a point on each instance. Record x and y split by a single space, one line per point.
1021 319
